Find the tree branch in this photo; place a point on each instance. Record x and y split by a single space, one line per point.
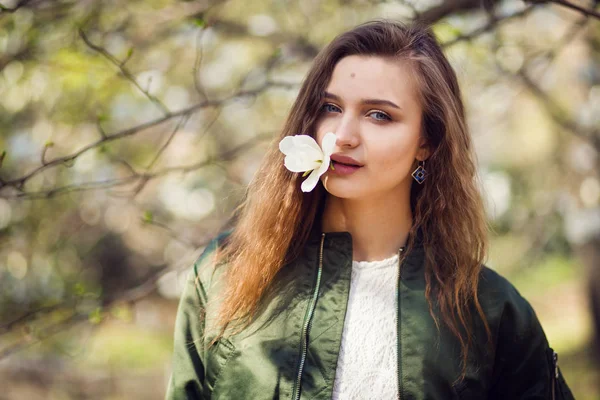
558 114
132 295
22 3
490 25
126 73
144 176
446 8
590 12
18 183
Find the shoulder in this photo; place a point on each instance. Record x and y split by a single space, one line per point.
205 268
506 309
524 363
496 287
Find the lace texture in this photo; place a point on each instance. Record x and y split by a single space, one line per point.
366 367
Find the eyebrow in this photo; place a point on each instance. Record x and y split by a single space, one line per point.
377 102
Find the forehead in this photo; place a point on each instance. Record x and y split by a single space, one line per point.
357 76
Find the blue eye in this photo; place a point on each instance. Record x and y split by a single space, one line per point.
380 116
328 107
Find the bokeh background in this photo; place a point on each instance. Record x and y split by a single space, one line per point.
130 129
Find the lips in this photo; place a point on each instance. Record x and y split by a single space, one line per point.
345 160
339 164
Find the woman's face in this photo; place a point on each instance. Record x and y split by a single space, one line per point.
371 105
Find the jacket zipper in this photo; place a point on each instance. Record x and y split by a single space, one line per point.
308 322
398 321
554 373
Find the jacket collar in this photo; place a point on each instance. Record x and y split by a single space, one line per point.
341 242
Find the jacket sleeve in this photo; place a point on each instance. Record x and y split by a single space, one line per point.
525 366
187 376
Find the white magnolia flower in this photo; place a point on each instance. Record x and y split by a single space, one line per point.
303 154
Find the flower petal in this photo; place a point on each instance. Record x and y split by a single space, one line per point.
328 143
301 144
302 153
305 140
286 145
310 182
296 163
324 166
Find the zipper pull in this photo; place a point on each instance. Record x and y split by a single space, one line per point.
554 374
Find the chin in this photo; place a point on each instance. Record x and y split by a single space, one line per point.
343 190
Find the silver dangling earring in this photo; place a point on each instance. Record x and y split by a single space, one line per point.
420 174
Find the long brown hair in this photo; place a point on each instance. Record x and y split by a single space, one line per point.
275 220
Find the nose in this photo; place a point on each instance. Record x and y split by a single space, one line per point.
346 133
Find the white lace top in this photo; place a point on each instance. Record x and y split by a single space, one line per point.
366 366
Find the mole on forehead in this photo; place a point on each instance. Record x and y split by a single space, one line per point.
352 75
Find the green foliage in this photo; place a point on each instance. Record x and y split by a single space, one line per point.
123 346
60 91
96 316
148 216
544 276
200 22
446 32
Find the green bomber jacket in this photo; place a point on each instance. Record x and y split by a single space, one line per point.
290 349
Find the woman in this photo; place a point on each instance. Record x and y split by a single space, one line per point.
365 280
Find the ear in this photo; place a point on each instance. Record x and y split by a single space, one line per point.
424 150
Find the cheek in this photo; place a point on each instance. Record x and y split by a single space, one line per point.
323 126
397 156
318 133
319 138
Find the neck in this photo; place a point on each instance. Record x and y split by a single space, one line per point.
379 226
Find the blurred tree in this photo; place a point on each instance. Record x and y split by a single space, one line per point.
130 130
